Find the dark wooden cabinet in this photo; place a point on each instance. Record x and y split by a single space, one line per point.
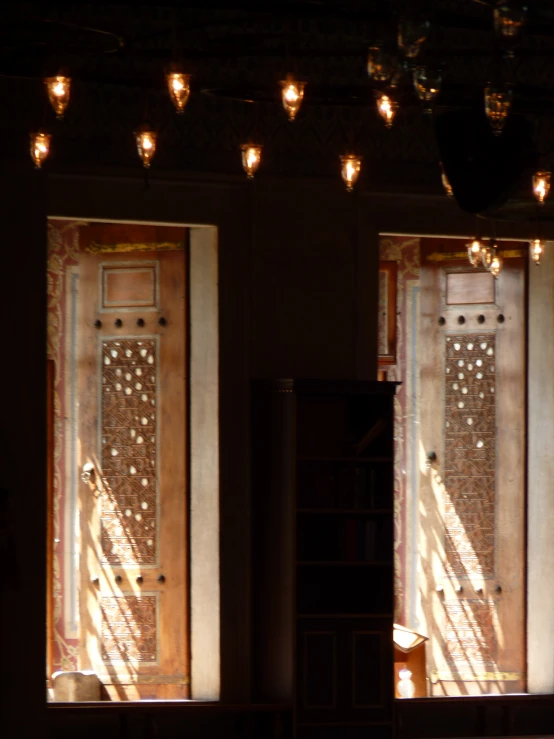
322 588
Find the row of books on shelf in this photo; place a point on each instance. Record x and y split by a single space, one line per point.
357 541
356 487
348 486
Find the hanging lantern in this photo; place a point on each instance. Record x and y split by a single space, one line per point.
509 19
496 265
58 89
40 147
380 66
536 250
541 185
350 170
474 252
446 182
178 85
292 94
251 157
427 85
488 253
412 34
387 108
497 107
146 145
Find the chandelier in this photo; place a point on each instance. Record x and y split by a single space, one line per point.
398 67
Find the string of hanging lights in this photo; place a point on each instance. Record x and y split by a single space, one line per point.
487 255
385 70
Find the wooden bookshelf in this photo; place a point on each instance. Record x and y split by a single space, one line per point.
322 505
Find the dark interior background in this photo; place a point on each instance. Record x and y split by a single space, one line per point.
298 255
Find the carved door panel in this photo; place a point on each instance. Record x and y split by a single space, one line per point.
472 493
132 424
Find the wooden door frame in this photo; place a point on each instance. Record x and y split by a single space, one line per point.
439 256
203 390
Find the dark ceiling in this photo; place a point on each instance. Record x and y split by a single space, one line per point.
117 53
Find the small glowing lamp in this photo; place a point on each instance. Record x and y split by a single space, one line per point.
178 85
541 185
380 66
412 34
146 145
40 147
386 107
496 265
509 19
446 183
497 107
427 85
350 170
488 253
292 94
536 251
58 89
474 252
251 157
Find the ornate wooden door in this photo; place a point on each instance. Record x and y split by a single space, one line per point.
472 492
132 423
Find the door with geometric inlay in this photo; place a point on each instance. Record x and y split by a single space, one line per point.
472 459
132 450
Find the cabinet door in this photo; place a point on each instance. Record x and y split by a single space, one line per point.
344 670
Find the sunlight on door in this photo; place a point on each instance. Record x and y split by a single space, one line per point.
120 346
461 354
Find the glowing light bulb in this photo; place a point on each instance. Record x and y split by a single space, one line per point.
496 265
381 67
488 253
178 85
386 107
251 155
58 89
474 252
146 145
541 185
292 94
427 85
536 250
509 19
497 107
446 182
40 147
350 170
412 34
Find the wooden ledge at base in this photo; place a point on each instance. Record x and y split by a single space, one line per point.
198 706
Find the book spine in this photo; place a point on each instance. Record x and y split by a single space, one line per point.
360 488
360 540
349 540
370 548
